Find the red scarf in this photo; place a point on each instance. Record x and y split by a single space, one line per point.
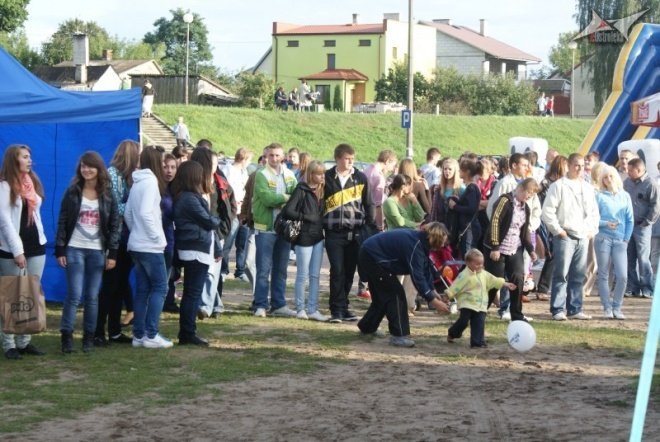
29 195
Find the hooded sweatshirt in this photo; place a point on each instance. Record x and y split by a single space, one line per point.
143 215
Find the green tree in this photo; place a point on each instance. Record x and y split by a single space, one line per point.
12 14
172 33
337 100
136 50
561 56
60 46
393 87
327 101
16 43
255 90
603 57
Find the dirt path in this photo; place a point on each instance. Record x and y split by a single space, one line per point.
432 392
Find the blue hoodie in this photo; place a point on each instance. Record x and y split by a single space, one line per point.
615 207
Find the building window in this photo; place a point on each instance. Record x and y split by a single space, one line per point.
324 91
365 43
331 61
329 43
292 43
395 52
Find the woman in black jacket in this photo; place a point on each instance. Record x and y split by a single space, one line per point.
506 238
87 240
194 244
467 231
307 204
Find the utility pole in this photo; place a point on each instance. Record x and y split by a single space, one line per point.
409 130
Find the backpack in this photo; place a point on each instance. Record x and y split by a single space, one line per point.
225 210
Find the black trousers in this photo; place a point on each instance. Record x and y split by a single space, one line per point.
342 249
477 322
510 267
114 290
388 299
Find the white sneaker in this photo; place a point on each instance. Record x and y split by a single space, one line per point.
618 314
283 311
260 313
528 319
561 316
301 315
580 315
608 314
506 316
243 278
453 308
138 342
156 342
317 316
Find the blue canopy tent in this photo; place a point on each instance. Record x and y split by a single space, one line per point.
59 126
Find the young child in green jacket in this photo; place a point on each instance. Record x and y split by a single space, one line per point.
470 288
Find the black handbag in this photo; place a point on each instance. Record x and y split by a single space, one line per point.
289 229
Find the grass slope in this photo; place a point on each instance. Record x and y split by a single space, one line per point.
319 133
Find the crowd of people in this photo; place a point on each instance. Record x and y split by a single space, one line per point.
461 234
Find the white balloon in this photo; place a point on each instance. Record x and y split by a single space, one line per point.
521 336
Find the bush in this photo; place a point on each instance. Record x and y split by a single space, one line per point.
480 95
256 90
337 101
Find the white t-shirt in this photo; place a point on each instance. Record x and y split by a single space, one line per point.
87 233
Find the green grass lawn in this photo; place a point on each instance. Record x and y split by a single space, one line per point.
61 386
319 133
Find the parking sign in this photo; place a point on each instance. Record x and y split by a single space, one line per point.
406 118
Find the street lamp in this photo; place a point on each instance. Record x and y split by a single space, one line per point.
572 46
187 18
409 132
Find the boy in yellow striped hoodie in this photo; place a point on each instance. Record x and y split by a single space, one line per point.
470 288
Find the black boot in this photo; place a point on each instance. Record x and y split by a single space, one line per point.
67 342
88 342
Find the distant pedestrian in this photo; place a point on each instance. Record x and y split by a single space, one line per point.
148 93
181 133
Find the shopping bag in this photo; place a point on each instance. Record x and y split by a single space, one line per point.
22 305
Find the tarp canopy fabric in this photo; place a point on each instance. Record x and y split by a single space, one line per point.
59 126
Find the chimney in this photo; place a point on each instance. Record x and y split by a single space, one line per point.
442 21
107 54
391 16
355 18
482 27
81 74
80 49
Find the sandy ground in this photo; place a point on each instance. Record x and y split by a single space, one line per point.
385 393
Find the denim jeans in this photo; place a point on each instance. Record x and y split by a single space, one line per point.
570 256
241 244
84 274
308 266
150 291
229 243
35 266
608 248
250 259
272 258
640 273
470 240
193 285
209 296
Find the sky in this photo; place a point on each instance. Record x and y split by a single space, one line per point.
240 30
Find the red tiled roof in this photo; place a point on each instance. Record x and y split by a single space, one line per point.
489 45
291 29
338 74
